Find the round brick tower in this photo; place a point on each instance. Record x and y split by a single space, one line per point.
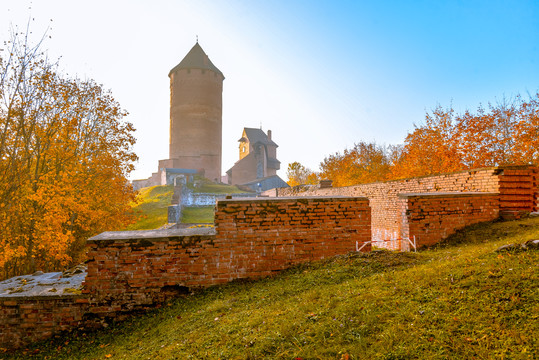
196 88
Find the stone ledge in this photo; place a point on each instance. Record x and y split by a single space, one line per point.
159 235
289 198
44 285
446 194
24 297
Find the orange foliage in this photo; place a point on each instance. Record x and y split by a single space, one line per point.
507 133
65 153
364 163
430 149
298 175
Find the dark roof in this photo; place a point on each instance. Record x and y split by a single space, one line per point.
196 58
257 136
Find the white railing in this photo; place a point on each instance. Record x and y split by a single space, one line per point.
389 240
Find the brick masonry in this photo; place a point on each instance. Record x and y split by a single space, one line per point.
131 271
28 319
430 217
517 186
252 238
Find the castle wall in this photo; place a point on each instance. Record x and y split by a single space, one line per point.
32 318
517 185
430 217
142 183
252 238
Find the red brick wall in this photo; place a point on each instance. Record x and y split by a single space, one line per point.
27 319
132 272
253 238
430 218
282 232
518 187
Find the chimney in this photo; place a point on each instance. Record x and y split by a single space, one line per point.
269 134
324 184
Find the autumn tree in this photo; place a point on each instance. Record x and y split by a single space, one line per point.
65 154
431 148
504 133
364 163
299 175
487 137
526 131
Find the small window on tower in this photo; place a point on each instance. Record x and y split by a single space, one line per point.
243 148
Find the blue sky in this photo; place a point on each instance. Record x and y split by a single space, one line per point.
320 74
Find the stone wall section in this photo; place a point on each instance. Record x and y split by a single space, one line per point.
519 189
517 185
431 217
271 235
128 271
28 319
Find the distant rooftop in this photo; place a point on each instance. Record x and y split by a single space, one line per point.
196 58
257 136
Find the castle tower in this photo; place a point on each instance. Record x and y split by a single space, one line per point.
196 87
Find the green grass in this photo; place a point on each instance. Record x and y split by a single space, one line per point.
460 300
152 203
198 215
152 207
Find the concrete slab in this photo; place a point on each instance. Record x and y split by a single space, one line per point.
45 284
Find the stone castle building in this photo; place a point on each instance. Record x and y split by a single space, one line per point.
196 88
258 157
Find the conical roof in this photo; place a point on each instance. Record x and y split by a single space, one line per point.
196 58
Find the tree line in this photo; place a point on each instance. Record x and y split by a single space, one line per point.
503 133
65 154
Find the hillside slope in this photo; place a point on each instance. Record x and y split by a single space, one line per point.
151 205
461 300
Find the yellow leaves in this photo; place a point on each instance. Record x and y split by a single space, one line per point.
64 157
503 134
298 174
364 163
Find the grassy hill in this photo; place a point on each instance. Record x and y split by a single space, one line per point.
152 203
151 206
461 300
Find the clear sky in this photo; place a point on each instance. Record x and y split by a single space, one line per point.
320 74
